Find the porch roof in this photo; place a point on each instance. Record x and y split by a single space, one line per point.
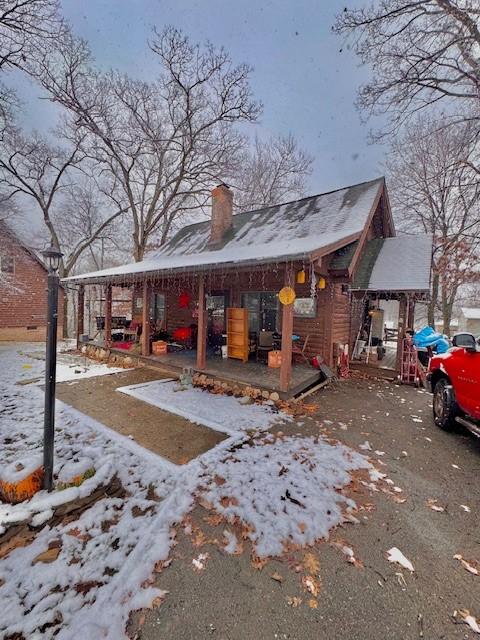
285 232
402 263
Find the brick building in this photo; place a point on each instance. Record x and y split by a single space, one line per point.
23 298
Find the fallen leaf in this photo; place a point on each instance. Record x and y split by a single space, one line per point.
219 480
214 520
293 601
226 501
258 563
76 533
467 618
395 555
312 603
311 563
277 577
199 563
432 503
311 585
205 504
473 566
199 538
47 556
465 508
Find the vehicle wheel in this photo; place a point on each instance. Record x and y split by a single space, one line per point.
444 405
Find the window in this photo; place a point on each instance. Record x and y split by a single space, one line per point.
262 310
157 310
7 264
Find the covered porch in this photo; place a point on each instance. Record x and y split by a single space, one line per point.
186 320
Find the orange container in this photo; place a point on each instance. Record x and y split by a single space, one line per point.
274 359
159 347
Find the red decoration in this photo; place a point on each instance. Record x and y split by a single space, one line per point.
184 300
183 334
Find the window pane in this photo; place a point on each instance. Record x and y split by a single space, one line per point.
251 301
253 321
269 300
7 264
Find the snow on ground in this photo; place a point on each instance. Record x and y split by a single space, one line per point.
221 412
69 366
284 489
94 548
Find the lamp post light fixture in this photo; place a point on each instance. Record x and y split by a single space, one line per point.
52 259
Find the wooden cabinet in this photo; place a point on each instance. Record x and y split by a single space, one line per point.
237 333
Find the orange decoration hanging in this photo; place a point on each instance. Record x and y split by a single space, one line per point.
287 295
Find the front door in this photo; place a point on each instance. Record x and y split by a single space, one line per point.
216 303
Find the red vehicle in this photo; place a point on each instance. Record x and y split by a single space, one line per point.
454 379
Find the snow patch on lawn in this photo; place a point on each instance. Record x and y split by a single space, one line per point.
219 412
285 489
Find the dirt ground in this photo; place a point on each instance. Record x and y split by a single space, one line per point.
231 600
166 434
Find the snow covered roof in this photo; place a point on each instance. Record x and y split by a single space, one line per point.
471 313
402 263
285 231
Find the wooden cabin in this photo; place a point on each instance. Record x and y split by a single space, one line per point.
299 278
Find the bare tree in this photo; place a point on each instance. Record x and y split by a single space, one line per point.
33 169
28 29
434 191
271 172
422 52
160 145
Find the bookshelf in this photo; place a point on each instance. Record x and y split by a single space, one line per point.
237 333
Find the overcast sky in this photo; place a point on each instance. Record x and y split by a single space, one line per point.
306 84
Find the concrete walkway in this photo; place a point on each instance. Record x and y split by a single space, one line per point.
168 435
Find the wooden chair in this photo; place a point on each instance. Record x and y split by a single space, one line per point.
299 349
265 342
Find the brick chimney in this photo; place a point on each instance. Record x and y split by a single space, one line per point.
222 211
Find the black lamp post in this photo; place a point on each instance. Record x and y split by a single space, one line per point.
52 259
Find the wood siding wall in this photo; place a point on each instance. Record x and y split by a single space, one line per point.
331 323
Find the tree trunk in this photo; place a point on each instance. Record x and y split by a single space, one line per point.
447 306
433 302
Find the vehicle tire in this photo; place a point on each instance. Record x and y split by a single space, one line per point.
444 405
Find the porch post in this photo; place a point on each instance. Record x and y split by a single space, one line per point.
287 331
411 312
108 315
202 326
80 313
145 319
402 325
